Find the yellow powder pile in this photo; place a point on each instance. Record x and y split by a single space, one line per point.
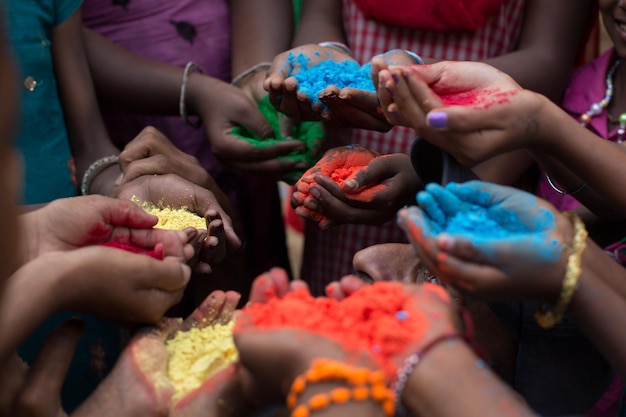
198 353
173 219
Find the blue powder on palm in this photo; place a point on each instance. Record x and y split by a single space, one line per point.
477 223
312 79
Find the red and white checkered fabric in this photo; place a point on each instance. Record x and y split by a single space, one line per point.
328 253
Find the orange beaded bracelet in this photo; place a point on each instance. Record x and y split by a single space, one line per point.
364 384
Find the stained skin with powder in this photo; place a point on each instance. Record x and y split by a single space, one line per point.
380 319
469 212
339 164
311 133
312 79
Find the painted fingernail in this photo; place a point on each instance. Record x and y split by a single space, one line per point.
437 119
395 77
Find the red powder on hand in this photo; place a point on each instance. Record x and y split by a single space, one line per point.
380 319
480 98
340 165
156 253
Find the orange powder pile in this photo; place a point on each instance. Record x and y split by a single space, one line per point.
380 319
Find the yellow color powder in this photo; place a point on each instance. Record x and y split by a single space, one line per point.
173 219
197 354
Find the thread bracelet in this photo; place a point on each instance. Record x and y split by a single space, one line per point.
549 318
94 169
182 106
362 384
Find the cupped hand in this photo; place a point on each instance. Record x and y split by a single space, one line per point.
223 107
355 185
357 108
139 385
283 87
67 224
471 110
489 240
172 191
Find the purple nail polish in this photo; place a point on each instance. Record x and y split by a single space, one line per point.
395 78
437 119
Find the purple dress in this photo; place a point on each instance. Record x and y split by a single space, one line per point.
176 32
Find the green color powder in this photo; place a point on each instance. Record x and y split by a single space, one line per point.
310 133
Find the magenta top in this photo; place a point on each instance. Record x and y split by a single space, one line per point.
587 86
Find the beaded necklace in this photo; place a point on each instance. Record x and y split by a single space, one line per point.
596 108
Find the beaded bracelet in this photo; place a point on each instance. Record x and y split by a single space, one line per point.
182 107
558 190
338 46
548 319
94 169
255 68
364 384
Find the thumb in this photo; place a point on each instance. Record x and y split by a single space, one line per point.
41 393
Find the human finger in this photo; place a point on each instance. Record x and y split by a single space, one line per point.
41 394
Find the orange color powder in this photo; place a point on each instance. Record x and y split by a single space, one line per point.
379 318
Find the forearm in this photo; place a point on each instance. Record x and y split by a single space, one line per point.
581 156
599 306
261 29
320 21
32 294
125 81
451 370
551 37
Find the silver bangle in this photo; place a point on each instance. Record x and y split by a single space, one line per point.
558 190
94 169
338 46
182 108
255 68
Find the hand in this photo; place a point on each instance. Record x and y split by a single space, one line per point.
357 108
283 87
470 109
152 153
352 184
138 385
271 359
517 236
427 302
71 223
36 391
222 107
170 190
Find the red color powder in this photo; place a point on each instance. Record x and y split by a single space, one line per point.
380 319
156 253
479 99
341 165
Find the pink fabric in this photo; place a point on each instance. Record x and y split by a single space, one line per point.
328 254
432 15
587 86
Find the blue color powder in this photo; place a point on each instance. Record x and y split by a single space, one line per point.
312 79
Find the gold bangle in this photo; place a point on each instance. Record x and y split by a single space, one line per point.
363 384
548 319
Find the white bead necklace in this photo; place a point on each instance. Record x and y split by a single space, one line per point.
597 108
